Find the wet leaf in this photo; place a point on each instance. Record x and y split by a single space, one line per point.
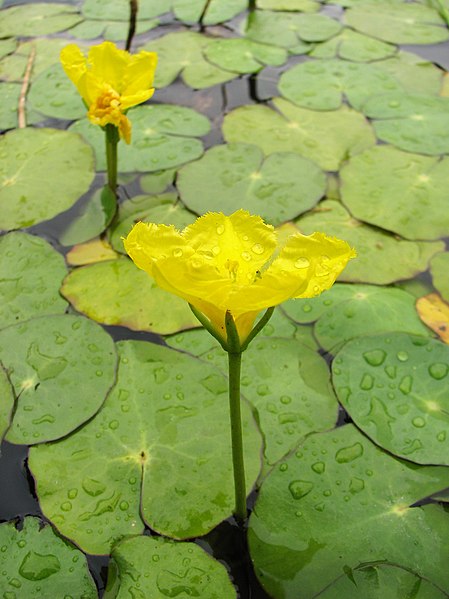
213 11
439 269
157 182
408 413
326 138
162 138
111 30
243 56
116 292
35 562
233 176
381 258
53 94
413 72
158 450
7 401
31 272
350 45
398 191
96 250
7 46
434 312
61 368
10 93
175 569
300 5
302 548
26 196
38 19
119 9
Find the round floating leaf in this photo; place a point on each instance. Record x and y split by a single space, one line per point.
299 536
163 209
119 9
323 84
128 297
414 123
96 250
35 562
10 93
157 182
244 56
53 94
175 569
110 30
413 72
234 176
160 449
439 266
326 138
61 368
27 196
162 138
398 191
210 12
350 45
7 46
42 18
381 258
7 400
435 313
395 389
403 23
31 272
300 5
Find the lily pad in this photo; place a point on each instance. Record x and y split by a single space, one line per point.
96 250
162 138
7 46
299 550
27 197
299 5
129 298
415 123
36 562
234 176
119 9
175 569
157 182
438 269
401 23
111 30
158 450
211 12
10 93
41 18
398 191
54 95
394 386
434 312
61 368
381 258
350 45
327 138
416 74
244 56
31 272
323 84
7 401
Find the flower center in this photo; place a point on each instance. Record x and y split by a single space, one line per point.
232 267
106 108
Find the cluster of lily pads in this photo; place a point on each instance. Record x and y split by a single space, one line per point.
128 436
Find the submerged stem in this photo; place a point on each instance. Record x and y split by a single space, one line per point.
112 139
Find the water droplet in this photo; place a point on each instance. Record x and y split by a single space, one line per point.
438 370
66 506
390 371
367 382
441 436
402 356
45 418
21 543
220 230
155 557
177 252
257 249
300 488
356 485
99 372
72 493
418 422
36 566
327 493
319 467
246 256
376 357
123 505
283 467
406 385
93 487
302 263
348 454
285 399
263 390
114 424
9 595
319 507
15 582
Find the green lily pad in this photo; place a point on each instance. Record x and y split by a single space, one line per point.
403 23
31 272
129 298
162 138
394 386
61 368
53 94
233 176
288 29
119 9
299 550
164 209
7 46
300 5
439 269
415 123
327 138
27 196
243 56
111 30
175 569
350 45
416 74
323 84
212 11
398 191
36 562
183 53
7 401
158 450
157 182
10 93
381 258
42 18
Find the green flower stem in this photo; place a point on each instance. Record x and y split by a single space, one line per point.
234 361
112 139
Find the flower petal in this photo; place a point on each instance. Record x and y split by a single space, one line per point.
75 66
137 84
109 64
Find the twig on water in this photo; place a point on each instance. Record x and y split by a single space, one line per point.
21 114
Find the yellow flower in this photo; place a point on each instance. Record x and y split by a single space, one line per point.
232 263
110 81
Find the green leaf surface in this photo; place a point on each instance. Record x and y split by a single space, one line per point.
157 182
119 9
37 563
327 138
394 387
110 30
7 401
300 538
31 272
163 209
439 266
381 258
10 93
402 23
175 569
54 95
299 5
398 191
233 176
27 196
41 18
7 46
212 11
162 138
243 56
159 450
61 368
350 45
129 298
415 123
416 74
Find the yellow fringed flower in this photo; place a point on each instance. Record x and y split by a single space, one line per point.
233 263
110 81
